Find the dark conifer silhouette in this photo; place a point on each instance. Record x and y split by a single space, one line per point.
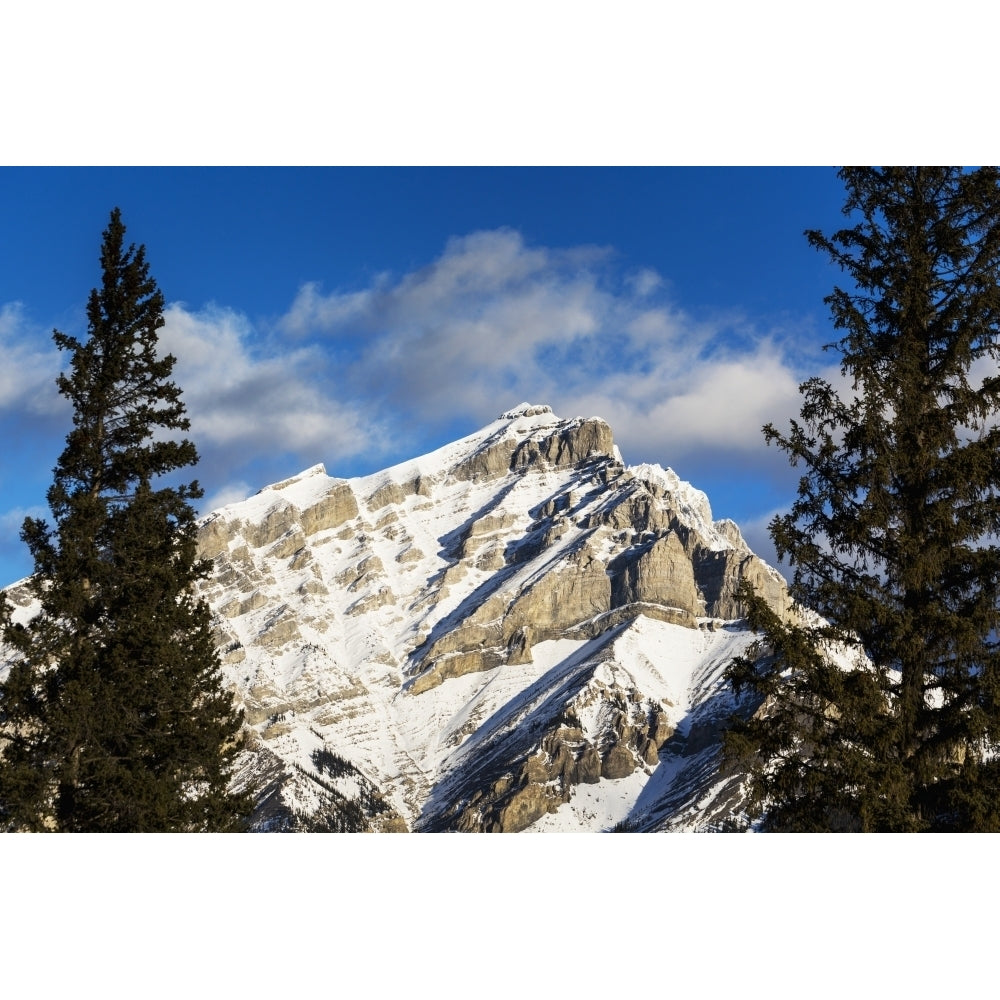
893 537
113 717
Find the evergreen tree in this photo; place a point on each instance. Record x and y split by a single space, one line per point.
113 717
893 536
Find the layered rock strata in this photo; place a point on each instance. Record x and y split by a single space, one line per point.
397 614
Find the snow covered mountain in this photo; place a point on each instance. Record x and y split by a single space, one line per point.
514 632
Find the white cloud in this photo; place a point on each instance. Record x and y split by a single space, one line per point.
312 310
29 369
726 403
12 520
243 399
644 282
232 492
493 321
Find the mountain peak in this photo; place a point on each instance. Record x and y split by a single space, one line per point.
526 410
513 631
464 633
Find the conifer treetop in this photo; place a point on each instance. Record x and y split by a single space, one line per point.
892 538
113 713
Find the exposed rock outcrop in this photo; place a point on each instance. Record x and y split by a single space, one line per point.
657 572
570 444
628 735
719 574
332 510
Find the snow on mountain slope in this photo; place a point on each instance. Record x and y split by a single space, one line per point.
512 632
482 634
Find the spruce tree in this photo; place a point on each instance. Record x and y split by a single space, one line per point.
113 716
893 536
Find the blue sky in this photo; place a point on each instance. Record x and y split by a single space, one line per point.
359 316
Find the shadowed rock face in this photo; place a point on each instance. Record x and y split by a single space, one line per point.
564 757
659 573
349 606
571 446
719 574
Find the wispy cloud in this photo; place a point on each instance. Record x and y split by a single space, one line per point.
12 520
360 378
492 321
28 371
245 395
228 493
756 531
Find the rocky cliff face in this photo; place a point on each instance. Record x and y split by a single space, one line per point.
514 632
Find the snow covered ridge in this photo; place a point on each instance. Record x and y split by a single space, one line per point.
512 632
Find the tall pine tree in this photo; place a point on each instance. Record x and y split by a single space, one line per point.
893 536
113 716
